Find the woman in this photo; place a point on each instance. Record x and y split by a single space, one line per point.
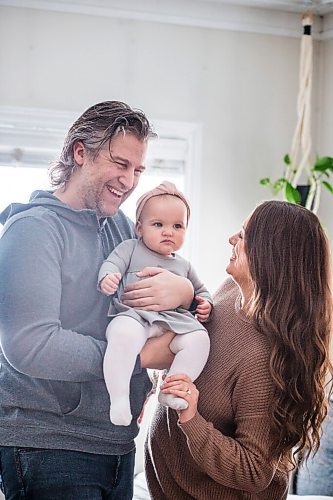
261 396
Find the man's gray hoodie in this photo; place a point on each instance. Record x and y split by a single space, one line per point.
52 329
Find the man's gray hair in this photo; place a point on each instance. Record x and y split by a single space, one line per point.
95 128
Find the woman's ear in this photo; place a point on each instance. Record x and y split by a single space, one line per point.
79 153
138 229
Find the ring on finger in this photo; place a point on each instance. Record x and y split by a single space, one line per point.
188 391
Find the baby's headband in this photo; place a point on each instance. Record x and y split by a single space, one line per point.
165 188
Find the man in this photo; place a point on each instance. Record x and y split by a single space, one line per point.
56 439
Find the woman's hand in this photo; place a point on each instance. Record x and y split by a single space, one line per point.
159 291
182 386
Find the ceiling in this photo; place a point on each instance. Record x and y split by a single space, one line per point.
276 17
318 7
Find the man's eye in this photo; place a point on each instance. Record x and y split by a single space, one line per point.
138 171
119 164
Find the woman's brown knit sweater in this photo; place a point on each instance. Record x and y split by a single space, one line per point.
223 452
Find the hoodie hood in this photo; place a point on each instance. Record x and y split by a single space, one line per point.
47 200
43 202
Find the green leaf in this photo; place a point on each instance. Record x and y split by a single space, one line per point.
291 194
286 159
328 186
265 182
322 164
278 185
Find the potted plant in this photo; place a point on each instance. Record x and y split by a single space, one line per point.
299 166
308 194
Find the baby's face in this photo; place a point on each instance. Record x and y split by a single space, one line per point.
162 224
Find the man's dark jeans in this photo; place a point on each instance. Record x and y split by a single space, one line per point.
41 474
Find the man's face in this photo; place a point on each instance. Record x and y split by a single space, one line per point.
104 183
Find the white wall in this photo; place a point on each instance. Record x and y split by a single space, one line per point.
325 126
241 87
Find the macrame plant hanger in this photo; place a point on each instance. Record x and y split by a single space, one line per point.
300 154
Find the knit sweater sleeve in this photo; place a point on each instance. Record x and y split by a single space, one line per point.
241 461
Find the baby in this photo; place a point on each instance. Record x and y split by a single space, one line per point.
162 216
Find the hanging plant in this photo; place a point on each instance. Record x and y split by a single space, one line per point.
299 166
308 195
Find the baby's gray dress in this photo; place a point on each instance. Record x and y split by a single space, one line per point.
132 256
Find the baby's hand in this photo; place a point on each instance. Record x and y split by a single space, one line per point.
109 284
203 309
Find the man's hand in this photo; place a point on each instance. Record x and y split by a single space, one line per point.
203 309
109 284
161 290
156 352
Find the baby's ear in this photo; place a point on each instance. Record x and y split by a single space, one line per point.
138 229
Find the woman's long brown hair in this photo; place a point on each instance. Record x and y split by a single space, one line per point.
289 263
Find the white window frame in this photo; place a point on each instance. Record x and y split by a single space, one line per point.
32 137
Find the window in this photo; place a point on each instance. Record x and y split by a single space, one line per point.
17 183
30 139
